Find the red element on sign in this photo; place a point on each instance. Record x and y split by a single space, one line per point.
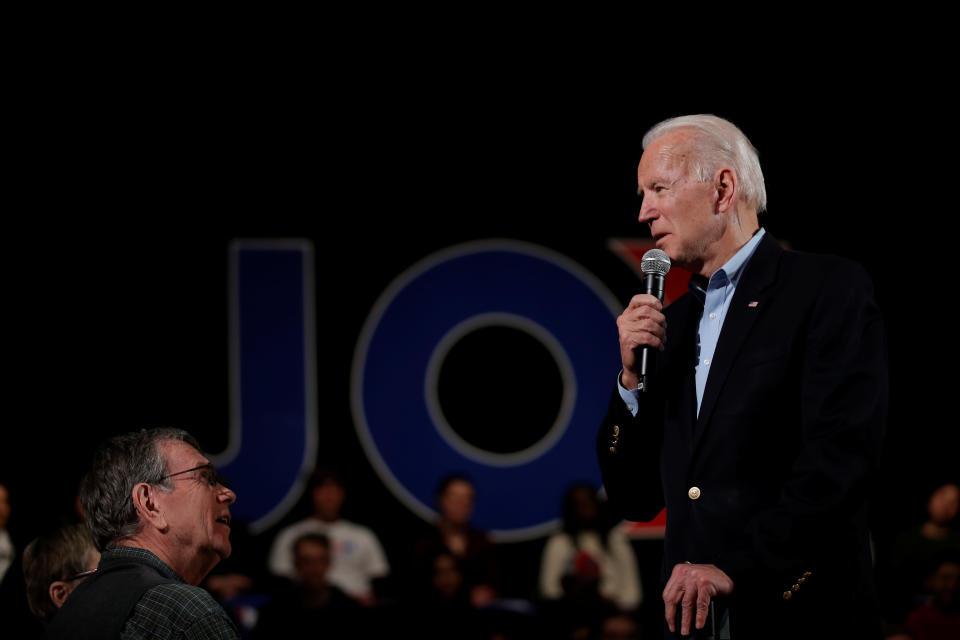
652 529
631 251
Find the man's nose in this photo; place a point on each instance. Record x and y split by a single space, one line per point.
227 495
647 212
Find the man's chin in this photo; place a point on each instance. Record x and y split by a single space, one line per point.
664 244
677 257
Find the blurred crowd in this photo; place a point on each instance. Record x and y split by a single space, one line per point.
326 576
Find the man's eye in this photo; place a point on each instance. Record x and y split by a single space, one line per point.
659 188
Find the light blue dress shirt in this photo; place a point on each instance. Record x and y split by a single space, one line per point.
716 300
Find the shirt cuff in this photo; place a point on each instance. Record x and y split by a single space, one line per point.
631 397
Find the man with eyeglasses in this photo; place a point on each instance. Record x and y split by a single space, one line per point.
54 565
161 517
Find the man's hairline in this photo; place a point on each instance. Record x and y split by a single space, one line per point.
669 151
684 151
166 462
165 485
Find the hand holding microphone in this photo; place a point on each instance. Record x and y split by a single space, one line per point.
642 325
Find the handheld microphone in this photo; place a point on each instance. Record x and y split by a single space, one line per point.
655 264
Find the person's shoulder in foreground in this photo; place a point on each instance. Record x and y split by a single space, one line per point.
178 610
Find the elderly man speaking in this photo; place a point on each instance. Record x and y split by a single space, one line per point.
761 428
161 517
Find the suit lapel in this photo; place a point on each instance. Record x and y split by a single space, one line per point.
753 290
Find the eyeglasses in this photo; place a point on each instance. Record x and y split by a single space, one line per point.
207 474
82 574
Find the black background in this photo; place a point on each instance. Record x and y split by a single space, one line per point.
128 182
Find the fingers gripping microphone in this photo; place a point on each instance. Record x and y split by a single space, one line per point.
654 265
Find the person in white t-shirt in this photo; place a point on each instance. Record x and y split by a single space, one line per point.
358 558
589 547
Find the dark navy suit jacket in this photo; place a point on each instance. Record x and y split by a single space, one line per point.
771 482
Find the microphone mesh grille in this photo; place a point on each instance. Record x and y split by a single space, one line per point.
655 261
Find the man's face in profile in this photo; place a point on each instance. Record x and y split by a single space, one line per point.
680 210
198 508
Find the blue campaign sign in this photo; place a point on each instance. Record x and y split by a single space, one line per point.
273 424
408 334
412 328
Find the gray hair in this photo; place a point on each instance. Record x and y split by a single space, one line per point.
119 464
718 142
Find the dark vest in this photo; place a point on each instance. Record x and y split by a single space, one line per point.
100 605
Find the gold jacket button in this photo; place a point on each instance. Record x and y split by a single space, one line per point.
787 595
613 449
694 493
616 430
796 587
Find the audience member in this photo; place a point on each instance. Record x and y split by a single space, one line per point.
939 618
53 566
312 603
619 626
454 533
7 551
579 612
358 558
589 547
14 611
440 607
161 518
904 572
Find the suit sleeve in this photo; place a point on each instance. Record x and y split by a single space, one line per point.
843 408
628 449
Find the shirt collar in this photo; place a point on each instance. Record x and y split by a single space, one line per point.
729 273
119 553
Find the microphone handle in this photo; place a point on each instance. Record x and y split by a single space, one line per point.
653 284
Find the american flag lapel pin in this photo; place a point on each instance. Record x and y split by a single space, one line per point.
753 304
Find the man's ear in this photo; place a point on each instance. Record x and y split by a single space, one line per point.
58 592
145 502
728 188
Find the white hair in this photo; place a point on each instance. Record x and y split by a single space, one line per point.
717 143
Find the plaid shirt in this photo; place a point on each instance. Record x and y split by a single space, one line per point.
176 610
